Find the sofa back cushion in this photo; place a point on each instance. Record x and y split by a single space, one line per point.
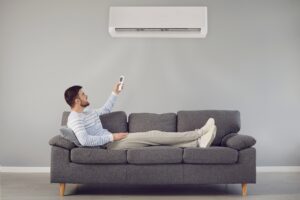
227 121
141 122
114 122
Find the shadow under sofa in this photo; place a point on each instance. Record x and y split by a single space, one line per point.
230 160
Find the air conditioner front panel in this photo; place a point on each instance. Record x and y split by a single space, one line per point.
158 21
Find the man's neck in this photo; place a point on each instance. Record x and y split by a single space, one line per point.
78 109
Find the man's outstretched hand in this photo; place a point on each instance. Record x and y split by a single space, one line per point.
119 136
115 88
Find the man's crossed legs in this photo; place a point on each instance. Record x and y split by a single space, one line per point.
202 138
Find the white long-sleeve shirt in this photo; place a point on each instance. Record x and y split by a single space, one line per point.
87 125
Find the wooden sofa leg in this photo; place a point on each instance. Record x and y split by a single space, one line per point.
62 187
244 189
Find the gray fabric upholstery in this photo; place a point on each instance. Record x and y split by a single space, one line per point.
154 155
68 134
225 138
64 171
158 164
64 118
114 122
87 155
238 141
227 121
161 174
244 171
211 155
60 141
141 122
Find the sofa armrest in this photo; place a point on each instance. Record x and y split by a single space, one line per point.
238 141
60 141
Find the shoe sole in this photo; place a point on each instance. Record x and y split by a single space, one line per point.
210 122
211 139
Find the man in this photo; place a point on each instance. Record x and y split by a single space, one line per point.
86 124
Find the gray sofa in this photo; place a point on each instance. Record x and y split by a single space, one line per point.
230 160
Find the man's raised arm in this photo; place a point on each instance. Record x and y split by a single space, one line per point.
107 107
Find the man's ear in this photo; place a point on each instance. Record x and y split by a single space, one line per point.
77 100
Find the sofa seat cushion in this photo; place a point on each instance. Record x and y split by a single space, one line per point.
95 155
210 155
154 155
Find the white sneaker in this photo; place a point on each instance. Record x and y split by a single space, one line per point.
207 126
206 140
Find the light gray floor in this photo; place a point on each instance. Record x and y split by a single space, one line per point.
35 186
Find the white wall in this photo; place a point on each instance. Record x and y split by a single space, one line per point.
249 62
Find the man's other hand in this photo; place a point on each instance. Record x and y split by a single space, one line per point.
119 136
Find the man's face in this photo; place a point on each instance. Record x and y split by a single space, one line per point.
83 98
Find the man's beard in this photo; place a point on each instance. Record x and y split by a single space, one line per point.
85 104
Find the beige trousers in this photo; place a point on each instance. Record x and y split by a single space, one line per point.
155 137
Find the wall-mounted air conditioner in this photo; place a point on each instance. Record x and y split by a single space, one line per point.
165 22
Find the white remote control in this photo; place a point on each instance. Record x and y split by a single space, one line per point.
122 82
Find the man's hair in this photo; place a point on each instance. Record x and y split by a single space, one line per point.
71 94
